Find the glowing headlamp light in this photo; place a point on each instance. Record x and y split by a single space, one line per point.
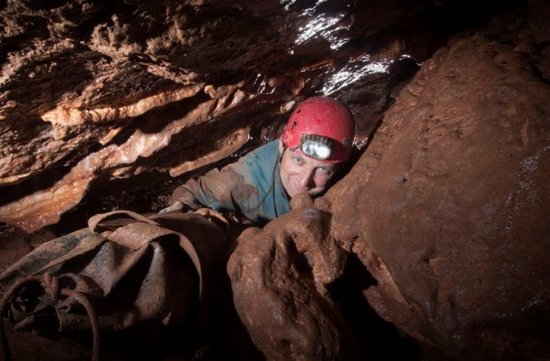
317 146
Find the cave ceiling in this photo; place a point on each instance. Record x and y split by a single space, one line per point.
95 92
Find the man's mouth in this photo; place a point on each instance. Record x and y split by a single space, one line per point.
300 188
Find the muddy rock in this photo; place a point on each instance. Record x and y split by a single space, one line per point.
453 200
14 244
278 276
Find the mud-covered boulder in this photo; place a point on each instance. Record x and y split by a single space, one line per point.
451 203
278 276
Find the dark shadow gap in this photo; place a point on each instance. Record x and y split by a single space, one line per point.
379 339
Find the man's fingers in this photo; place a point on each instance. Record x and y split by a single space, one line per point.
214 216
176 207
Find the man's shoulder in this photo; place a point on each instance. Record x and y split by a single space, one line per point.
259 164
268 150
267 153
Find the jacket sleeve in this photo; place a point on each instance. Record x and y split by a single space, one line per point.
221 190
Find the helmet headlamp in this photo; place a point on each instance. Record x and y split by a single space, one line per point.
316 146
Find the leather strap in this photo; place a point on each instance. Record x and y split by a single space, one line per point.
94 221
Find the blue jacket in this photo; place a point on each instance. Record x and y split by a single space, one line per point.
251 186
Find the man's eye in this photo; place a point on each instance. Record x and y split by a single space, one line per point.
297 160
324 171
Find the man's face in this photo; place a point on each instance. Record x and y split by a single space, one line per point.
300 173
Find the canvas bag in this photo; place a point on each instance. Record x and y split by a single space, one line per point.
123 272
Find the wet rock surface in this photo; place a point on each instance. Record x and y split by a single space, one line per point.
452 195
289 263
95 92
440 228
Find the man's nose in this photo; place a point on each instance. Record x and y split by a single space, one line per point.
306 177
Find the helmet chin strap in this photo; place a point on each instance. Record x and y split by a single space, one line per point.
282 152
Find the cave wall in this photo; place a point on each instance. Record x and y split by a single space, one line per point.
94 93
452 196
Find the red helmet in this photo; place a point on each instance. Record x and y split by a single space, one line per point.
322 128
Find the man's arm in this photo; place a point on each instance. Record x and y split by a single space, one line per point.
214 189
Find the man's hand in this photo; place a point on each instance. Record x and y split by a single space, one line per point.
177 206
214 216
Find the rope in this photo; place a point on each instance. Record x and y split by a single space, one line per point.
3 308
50 285
94 322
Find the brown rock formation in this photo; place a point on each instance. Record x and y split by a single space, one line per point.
279 275
453 200
93 91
